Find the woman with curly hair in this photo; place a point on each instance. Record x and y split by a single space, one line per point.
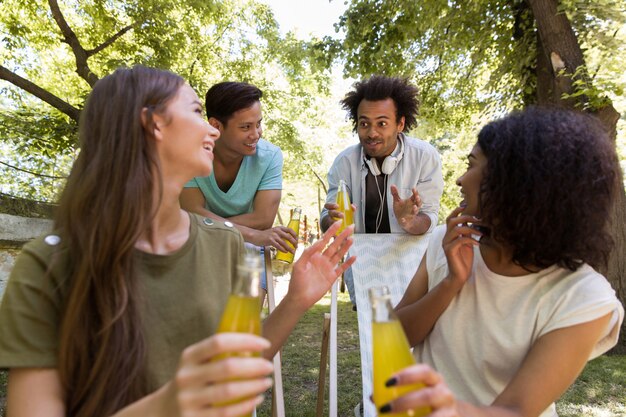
115 312
506 308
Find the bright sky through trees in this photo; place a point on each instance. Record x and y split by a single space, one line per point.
310 16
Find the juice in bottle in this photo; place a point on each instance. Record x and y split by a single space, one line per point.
241 315
343 200
294 224
242 312
390 353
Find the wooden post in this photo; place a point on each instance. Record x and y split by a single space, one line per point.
278 401
321 381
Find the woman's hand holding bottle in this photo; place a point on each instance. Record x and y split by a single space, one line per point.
202 382
436 395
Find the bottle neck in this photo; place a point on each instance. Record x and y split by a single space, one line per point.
382 310
249 275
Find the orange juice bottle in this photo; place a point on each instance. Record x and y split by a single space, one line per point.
390 353
294 224
343 200
242 312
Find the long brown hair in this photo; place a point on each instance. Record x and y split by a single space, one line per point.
107 203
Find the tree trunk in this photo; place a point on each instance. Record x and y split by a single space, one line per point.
558 57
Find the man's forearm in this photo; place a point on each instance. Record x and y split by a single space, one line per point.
253 220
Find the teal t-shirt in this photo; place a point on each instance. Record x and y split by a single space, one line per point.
261 171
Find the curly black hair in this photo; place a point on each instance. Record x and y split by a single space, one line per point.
225 98
378 87
549 185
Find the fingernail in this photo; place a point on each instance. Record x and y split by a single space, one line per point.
391 382
385 408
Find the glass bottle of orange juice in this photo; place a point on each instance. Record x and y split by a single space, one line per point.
390 353
343 200
294 224
242 312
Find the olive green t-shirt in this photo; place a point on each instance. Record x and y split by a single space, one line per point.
183 295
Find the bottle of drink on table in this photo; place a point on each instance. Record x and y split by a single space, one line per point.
294 224
390 353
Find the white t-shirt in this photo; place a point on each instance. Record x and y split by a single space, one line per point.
483 336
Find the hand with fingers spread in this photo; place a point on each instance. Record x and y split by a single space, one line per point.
276 237
458 245
435 394
228 387
407 211
318 267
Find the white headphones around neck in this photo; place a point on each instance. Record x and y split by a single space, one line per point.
389 164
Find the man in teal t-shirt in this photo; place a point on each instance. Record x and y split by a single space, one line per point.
259 172
246 184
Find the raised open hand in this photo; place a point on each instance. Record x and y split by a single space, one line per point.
318 267
407 212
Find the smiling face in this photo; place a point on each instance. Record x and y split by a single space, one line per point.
378 128
470 181
185 139
242 131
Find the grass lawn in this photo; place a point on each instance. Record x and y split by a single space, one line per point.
600 391
301 360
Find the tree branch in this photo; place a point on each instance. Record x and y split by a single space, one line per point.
40 93
32 172
82 68
110 41
315 173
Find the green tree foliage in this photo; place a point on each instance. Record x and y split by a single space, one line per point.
52 52
474 60
467 56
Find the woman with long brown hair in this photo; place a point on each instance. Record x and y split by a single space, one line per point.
112 313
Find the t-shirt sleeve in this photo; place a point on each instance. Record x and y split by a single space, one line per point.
586 299
273 175
29 316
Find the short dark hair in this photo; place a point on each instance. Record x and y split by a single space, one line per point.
225 98
378 87
549 186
